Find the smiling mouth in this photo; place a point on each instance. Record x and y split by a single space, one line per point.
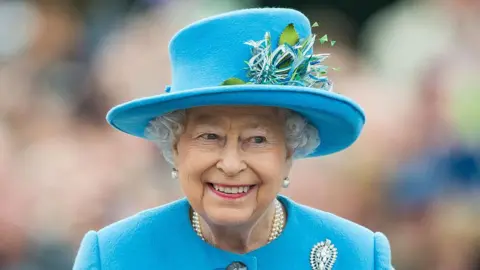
231 190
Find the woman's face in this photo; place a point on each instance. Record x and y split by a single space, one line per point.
232 161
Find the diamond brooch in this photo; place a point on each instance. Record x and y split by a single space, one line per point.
323 255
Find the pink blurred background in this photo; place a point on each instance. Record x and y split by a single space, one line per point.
414 174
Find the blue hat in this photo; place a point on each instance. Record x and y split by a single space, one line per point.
251 57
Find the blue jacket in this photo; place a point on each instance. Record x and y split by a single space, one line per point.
163 238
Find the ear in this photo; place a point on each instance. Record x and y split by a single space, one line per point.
289 156
288 162
175 156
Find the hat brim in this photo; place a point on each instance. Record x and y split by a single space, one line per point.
338 119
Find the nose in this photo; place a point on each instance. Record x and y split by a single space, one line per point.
231 162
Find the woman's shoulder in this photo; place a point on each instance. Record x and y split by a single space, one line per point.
316 218
351 239
135 242
154 222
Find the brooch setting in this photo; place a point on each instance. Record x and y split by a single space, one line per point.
323 255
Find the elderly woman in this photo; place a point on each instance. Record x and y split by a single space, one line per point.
248 97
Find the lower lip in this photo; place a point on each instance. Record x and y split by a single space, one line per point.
230 196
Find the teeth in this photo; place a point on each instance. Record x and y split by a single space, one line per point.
232 190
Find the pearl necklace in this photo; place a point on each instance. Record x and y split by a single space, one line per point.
277 226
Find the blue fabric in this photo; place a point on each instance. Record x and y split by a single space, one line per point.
208 52
163 238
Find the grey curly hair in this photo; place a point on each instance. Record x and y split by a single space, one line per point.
302 137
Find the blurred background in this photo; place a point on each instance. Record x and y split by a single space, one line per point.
414 174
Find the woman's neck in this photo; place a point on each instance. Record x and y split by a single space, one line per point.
241 239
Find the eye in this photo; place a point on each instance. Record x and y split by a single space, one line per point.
209 136
258 139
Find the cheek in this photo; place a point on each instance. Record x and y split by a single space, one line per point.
192 163
270 172
269 169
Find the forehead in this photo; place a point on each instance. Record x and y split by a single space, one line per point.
255 115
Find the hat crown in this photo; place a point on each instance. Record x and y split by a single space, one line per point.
212 50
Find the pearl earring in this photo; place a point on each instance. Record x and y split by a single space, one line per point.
174 173
286 182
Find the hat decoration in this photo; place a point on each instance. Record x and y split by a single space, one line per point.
291 63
